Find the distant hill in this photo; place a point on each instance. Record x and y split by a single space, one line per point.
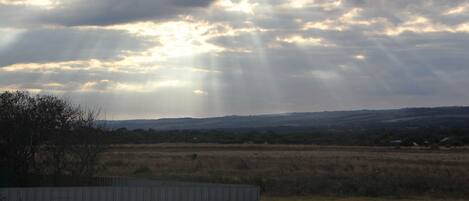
406 116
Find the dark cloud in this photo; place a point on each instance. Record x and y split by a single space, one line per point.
18 16
64 44
425 64
108 12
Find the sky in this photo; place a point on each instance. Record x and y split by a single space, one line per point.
141 59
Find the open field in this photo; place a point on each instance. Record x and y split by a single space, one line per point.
351 199
296 170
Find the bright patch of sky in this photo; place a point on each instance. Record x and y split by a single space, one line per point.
166 58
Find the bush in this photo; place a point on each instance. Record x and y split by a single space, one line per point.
44 135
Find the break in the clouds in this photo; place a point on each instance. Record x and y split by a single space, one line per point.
166 58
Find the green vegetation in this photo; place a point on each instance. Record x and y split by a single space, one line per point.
443 126
373 135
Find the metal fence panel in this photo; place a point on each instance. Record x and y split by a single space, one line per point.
154 192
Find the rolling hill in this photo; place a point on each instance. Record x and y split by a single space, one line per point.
405 117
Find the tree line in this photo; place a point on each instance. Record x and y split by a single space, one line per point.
452 135
44 136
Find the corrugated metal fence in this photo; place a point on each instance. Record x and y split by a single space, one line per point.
136 190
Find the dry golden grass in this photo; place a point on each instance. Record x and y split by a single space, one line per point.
303 169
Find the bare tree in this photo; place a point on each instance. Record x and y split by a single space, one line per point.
45 135
19 139
87 145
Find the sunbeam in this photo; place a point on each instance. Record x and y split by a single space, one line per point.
279 100
235 56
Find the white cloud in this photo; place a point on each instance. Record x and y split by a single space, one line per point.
344 22
304 41
302 4
360 57
242 6
458 10
247 56
420 24
200 92
48 4
112 86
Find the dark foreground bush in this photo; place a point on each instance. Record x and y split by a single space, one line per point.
45 135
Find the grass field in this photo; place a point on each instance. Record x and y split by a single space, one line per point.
283 171
293 198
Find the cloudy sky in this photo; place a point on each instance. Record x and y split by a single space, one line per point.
174 58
